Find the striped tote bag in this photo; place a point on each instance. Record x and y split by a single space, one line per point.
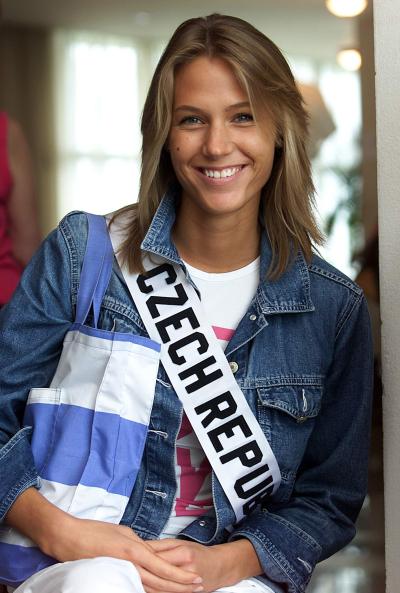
90 424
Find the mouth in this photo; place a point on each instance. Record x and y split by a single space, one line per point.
218 174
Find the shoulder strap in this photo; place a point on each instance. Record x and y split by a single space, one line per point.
96 269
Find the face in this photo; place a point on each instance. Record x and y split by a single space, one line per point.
222 157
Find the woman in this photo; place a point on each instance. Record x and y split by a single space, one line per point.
226 196
19 232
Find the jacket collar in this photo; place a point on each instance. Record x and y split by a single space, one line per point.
290 293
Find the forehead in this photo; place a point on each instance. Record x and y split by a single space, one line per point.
207 79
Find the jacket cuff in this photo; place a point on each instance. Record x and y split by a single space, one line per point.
286 553
17 469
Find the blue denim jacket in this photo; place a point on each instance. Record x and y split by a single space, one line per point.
304 363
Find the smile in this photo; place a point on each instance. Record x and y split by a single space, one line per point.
225 174
218 173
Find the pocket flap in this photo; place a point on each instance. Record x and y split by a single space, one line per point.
299 401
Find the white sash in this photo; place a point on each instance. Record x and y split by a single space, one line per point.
227 429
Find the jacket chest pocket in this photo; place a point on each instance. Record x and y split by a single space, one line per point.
286 414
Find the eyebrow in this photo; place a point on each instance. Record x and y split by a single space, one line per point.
241 105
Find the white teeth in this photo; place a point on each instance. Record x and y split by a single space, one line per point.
224 173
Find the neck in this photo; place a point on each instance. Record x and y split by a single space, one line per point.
216 243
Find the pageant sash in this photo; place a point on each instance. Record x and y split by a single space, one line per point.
193 359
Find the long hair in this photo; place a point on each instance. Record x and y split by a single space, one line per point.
287 199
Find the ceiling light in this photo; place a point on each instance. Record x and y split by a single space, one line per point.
349 59
346 8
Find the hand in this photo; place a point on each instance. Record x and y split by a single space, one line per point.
65 537
192 557
219 565
82 538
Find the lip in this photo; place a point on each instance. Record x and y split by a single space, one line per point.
221 180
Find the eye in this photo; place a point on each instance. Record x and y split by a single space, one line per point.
190 120
243 118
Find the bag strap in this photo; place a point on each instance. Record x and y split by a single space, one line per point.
96 269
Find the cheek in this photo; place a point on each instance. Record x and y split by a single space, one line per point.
265 161
266 156
186 144
181 152
176 151
179 161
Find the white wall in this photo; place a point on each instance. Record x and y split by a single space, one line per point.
387 60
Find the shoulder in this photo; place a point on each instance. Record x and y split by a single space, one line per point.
335 296
75 227
74 222
16 137
322 271
19 153
74 230
12 133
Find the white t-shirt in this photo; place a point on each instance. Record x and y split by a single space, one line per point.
225 298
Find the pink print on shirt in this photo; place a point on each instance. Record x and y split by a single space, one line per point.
223 333
194 474
194 496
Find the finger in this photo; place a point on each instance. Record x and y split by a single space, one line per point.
164 544
132 535
163 569
151 590
150 580
167 542
178 556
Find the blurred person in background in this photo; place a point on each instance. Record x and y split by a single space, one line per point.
19 228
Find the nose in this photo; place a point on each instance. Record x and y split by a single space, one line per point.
217 141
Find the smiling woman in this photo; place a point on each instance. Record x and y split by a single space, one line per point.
222 158
252 466
263 79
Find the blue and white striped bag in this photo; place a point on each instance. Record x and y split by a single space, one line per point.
90 425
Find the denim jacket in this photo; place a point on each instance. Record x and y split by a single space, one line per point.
303 360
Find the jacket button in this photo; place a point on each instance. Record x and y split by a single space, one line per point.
253 317
234 366
202 523
301 419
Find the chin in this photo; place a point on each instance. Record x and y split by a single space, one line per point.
224 208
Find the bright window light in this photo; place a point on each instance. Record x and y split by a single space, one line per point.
97 122
346 8
339 153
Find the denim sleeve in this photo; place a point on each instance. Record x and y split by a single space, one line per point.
32 329
331 483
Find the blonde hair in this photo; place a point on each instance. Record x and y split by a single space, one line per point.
288 197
